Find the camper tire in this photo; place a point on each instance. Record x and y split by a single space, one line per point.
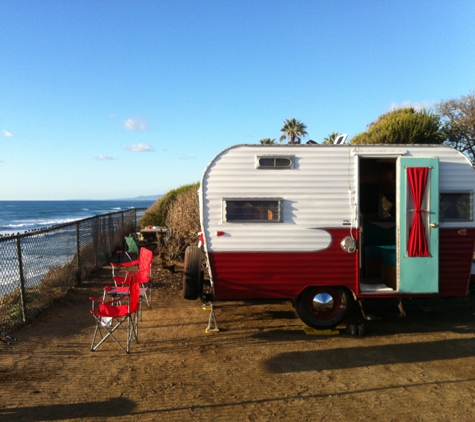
192 280
323 307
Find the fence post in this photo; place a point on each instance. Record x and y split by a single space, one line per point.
78 254
95 240
109 234
22 280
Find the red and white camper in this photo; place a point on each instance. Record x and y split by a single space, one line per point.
320 224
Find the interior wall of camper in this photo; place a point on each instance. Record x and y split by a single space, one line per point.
378 189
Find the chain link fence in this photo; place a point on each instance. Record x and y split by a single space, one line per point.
39 267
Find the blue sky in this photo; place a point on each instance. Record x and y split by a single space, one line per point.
113 99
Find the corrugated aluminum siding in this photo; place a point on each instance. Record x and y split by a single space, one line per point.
317 192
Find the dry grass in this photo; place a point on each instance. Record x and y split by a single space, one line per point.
183 221
157 213
55 284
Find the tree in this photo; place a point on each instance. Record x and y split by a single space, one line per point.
330 139
294 130
267 141
403 126
458 117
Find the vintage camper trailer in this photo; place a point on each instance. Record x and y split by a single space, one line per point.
322 224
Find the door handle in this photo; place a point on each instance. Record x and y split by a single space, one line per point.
434 225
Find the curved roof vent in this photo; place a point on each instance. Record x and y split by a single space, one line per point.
341 139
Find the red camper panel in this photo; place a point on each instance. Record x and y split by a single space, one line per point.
456 256
282 275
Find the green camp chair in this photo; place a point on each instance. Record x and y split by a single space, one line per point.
132 246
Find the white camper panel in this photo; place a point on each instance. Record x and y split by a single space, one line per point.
318 192
456 174
315 194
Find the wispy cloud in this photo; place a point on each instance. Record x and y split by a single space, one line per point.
418 106
104 158
186 157
7 133
138 148
136 124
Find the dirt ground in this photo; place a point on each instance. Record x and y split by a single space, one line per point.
260 366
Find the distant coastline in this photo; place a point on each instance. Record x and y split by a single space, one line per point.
137 198
140 198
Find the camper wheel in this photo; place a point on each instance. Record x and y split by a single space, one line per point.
323 307
192 280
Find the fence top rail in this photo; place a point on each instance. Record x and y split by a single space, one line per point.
35 232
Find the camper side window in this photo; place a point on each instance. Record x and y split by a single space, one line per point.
275 162
456 206
252 210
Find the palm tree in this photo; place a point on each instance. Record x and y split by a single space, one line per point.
293 129
331 138
267 141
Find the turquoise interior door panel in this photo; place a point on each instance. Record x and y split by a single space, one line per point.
418 266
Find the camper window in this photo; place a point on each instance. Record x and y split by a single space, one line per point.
456 206
252 210
275 162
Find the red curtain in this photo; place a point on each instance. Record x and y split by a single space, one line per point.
417 181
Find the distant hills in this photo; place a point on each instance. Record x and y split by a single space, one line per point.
142 198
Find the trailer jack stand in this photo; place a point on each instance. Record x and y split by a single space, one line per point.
366 317
402 312
212 323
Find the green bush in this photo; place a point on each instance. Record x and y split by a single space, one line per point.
403 126
156 214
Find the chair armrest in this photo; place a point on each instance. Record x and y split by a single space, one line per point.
122 281
130 264
96 299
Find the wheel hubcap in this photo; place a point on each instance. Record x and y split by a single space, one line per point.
323 302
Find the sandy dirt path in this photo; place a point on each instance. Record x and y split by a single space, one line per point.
260 366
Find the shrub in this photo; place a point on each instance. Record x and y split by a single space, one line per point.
156 214
183 222
403 126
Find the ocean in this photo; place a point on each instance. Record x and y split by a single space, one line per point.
21 216
24 216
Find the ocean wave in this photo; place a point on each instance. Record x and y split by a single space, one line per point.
23 226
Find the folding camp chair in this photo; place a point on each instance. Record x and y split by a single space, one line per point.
122 291
116 266
132 246
144 270
110 316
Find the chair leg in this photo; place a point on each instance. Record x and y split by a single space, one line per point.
134 320
131 333
148 294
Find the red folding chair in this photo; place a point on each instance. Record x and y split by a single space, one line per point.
111 315
144 269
